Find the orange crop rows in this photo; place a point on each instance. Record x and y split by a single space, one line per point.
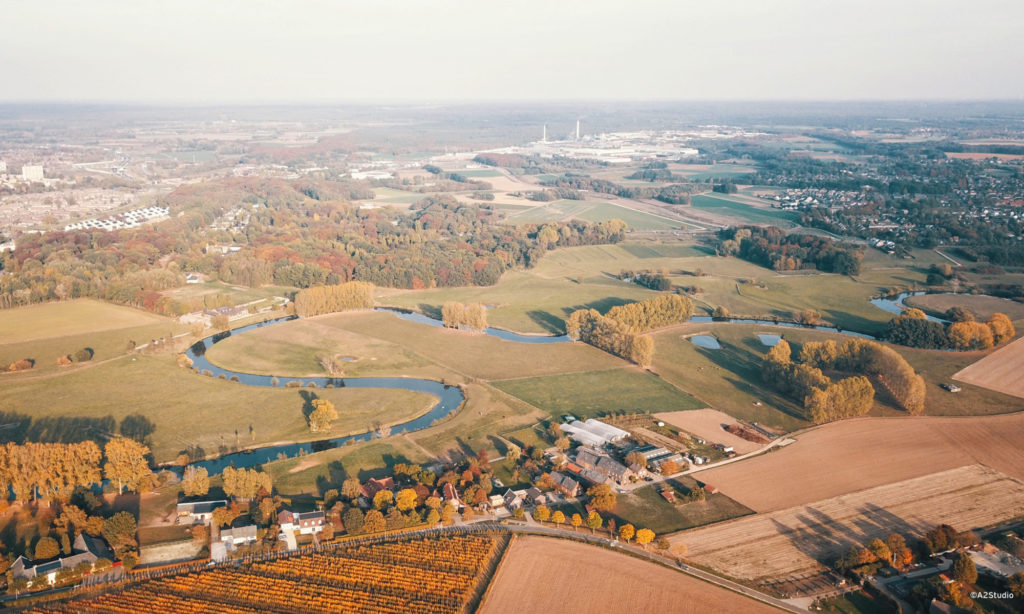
437 575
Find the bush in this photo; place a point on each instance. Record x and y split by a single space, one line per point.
83 355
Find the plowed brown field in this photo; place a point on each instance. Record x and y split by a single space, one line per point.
799 539
853 455
552 575
1002 370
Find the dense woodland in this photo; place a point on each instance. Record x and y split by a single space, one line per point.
619 332
826 400
772 247
913 329
300 233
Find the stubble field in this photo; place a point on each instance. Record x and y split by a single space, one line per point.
846 457
799 539
552 575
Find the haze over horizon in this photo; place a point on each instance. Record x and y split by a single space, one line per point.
453 50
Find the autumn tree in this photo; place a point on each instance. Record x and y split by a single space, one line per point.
594 521
245 483
331 299
383 499
966 336
898 550
602 497
542 513
373 522
880 549
433 517
1002 328
577 520
475 316
405 500
453 314
224 516
964 569
351 488
196 481
353 520
644 537
119 531
126 463
627 531
669 467
46 548
558 517
322 416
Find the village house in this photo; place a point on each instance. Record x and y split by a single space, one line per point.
373 486
565 485
588 457
85 549
452 496
239 536
514 499
306 523
197 511
535 496
614 470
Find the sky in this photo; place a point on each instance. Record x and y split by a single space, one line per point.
253 51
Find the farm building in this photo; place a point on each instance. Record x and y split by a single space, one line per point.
593 432
588 457
239 535
197 511
661 460
614 470
85 549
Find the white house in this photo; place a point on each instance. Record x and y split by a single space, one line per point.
306 523
198 511
239 535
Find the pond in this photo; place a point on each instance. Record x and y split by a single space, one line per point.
706 341
769 340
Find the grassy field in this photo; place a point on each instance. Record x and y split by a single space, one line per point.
238 294
645 507
593 393
981 306
723 205
188 409
856 603
391 195
47 331
591 211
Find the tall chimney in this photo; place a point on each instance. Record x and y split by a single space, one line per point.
577 129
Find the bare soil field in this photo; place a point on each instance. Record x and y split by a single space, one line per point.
797 540
981 306
707 424
552 575
853 455
1000 371
983 156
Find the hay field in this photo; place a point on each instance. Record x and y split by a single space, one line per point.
707 424
799 539
551 575
854 455
66 319
1000 371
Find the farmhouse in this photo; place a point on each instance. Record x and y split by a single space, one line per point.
452 496
588 457
85 549
306 523
565 485
374 486
535 496
239 535
514 498
614 470
197 511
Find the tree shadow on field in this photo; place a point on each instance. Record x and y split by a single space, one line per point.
745 370
71 429
429 310
499 444
307 402
336 475
547 321
601 305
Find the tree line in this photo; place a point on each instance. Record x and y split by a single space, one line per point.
54 470
826 400
913 329
619 332
332 299
773 248
458 315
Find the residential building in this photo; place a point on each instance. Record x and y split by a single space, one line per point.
198 511
535 496
239 535
306 523
452 496
374 486
614 470
85 549
565 485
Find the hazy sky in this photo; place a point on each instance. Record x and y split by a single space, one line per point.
420 50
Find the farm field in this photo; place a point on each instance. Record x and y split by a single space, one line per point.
707 424
591 579
1000 371
981 306
647 508
800 538
47 331
746 213
591 211
186 409
589 394
846 457
438 575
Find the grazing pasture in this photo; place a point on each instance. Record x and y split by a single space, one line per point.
981 306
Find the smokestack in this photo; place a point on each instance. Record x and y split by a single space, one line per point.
544 139
577 129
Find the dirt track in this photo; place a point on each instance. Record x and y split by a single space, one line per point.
552 575
849 456
796 540
1000 371
707 424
